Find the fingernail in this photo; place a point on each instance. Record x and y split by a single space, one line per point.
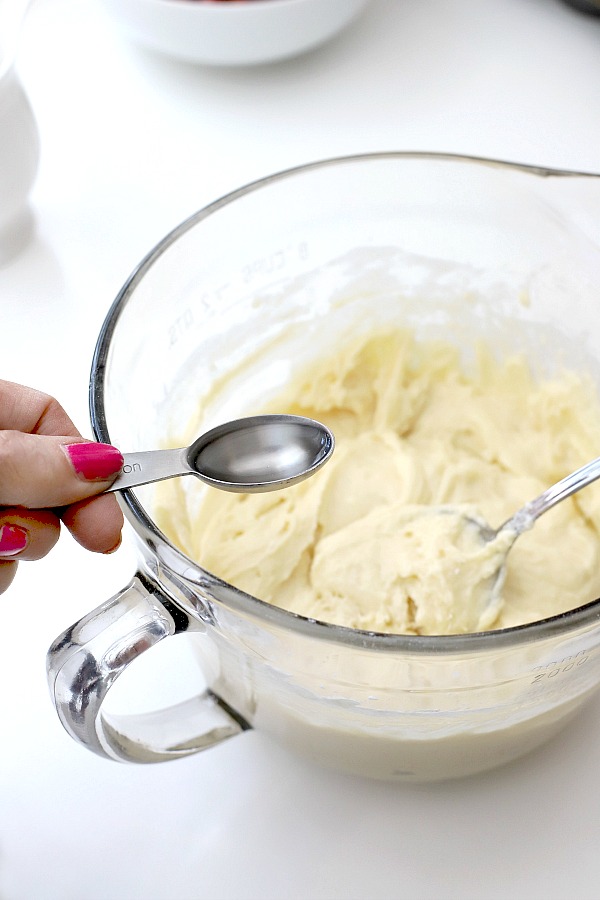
113 549
94 462
13 539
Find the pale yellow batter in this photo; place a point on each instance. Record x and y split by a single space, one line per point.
358 545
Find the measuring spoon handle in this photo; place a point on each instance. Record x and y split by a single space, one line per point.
150 465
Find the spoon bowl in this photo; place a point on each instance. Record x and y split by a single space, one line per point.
249 455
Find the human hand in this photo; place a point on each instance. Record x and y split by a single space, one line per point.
49 473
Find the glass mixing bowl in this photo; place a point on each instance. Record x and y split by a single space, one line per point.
224 310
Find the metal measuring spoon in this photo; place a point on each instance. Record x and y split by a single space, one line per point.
258 453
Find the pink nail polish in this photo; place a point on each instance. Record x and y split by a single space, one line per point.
94 462
13 539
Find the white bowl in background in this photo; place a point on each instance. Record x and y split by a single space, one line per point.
232 32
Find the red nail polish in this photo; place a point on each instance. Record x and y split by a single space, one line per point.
94 462
13 539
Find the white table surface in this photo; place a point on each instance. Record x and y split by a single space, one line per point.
132 144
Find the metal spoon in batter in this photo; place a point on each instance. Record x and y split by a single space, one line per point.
525 517
259 453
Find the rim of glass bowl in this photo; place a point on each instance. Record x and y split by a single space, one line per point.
568 621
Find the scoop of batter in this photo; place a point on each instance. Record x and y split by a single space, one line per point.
404 566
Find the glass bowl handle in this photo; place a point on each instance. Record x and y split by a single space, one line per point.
84 662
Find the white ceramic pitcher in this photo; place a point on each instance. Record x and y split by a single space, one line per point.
19 138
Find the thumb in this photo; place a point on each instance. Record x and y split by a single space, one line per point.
44 471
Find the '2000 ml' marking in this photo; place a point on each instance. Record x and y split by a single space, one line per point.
559 667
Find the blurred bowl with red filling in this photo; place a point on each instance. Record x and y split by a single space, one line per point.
232 32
